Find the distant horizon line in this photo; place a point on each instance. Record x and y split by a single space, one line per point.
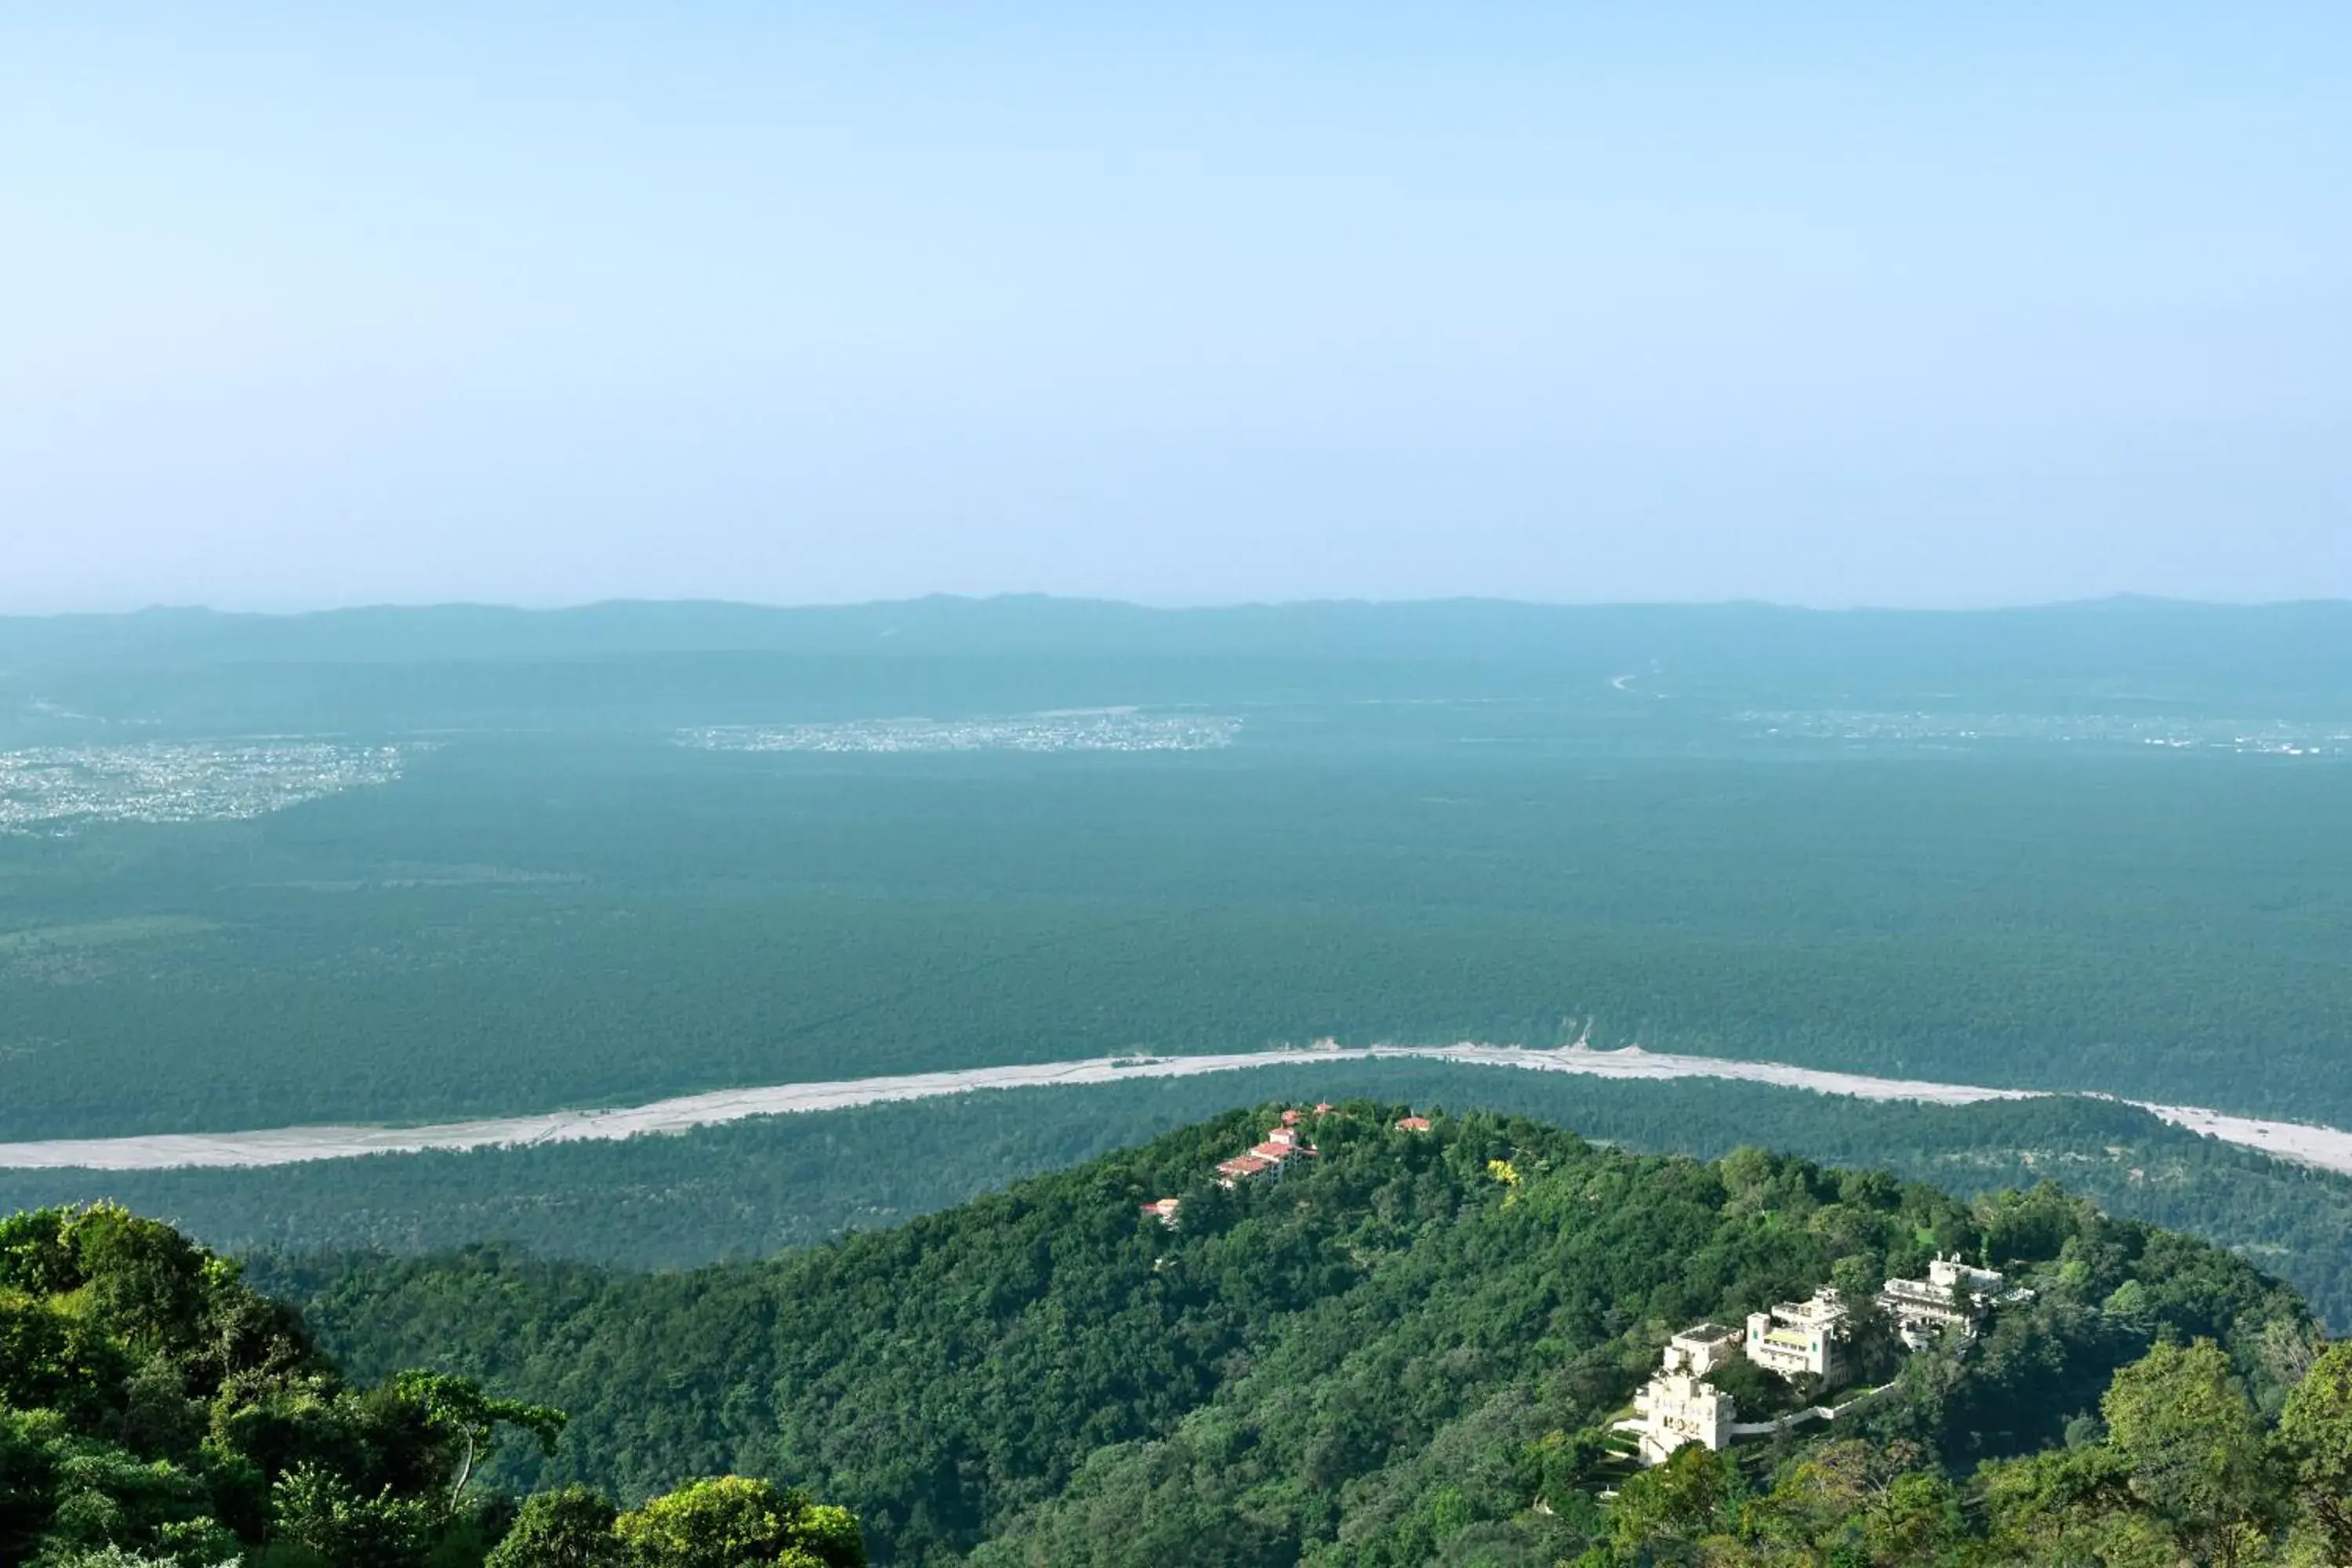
490 606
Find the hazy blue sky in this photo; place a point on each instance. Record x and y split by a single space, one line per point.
312 304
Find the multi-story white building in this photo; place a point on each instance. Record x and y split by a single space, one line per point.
1953 1296
1797 1337
1679 1407
1701 1349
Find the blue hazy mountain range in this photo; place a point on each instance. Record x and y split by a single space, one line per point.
653 664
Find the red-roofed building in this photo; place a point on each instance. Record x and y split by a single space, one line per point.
1164 1211
1324 1108
1281 1146
1412 1125
1242 1166
1290 1118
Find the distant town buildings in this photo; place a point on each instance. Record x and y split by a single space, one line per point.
1077 730
1797 1337
52 789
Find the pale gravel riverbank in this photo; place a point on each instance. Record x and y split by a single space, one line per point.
2326 1147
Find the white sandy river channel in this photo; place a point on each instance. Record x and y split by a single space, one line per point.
2326 1147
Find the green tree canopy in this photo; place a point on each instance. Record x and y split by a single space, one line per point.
733 1521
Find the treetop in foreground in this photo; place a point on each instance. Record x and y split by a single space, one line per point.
156 1411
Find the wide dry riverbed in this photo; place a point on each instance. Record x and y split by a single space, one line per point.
2326 1147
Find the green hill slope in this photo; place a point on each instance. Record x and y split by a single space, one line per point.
1408 1350
749 1190
156 1411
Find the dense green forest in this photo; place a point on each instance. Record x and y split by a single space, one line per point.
156 1411
520 924
2093 847
751 1189
1408 1351
415 866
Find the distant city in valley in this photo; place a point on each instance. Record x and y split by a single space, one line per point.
60 788
1102 729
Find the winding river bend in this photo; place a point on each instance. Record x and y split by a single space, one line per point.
2326 1147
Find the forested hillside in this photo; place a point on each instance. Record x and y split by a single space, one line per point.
156 1413
1409 1350
751 1189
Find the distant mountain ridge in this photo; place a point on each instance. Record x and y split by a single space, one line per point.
2107 636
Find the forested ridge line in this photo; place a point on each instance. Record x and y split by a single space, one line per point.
1409 1350
751 1189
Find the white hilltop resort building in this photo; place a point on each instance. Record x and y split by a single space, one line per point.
1679 1407
1798 1337
1955 1295
1700 1350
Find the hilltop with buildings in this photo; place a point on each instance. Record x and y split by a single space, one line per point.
1805 1347
1361 1333
1802 1349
